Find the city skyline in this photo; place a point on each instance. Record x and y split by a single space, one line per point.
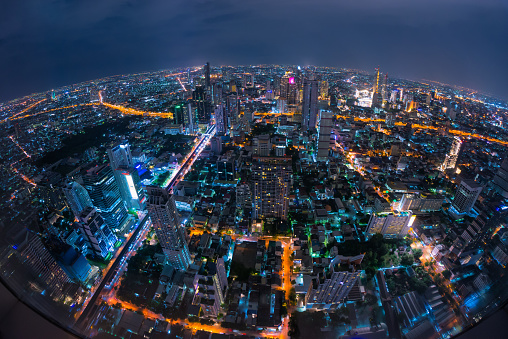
458 44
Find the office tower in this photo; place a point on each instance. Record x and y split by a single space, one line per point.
261 145
325 129
243 195
465 197
99 238
216 145
289 89
120 155
232 109
77 197
73 263
452 156
202 105
191 127
377 100
384 90
271 179
166 222
181 116
100 183
126 176
394 96
226 168
217 93
207 75
309 105
188 76
329 289
220 119
390 225
323 90
501 179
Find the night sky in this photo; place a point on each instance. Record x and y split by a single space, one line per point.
45 44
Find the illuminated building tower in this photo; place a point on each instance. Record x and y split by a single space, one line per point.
377 99
232 110
166 222
465 197
202 105
220 119
289 89
100 183
189 80
261 145
330 289
120 155
309 105
452 108
99 238
181 116
325 129
323 90
384 91
451 158
501 179
207 75
77 197
271 179
126 176
390 225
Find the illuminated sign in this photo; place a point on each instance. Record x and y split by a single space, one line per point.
132 189
292 80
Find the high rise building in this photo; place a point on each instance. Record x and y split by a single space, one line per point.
202 105
120 155
501 179
232 109
210 286
126 176
289 89
465 197
325 129
261 145
207 75
100 183
323 90
99 238
377 99
390 225
450 160
220 119
77 197
271 180
166 222
309 105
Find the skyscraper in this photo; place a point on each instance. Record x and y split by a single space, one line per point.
271 179
99 238
202 105
77 197
325 129
166 222
465 197
377 99
207 75
102 187
126 176
309 105
450 160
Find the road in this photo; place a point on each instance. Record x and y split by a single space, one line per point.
191 157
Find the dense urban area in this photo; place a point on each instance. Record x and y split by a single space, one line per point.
260 201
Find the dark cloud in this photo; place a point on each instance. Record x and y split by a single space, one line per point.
46 44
